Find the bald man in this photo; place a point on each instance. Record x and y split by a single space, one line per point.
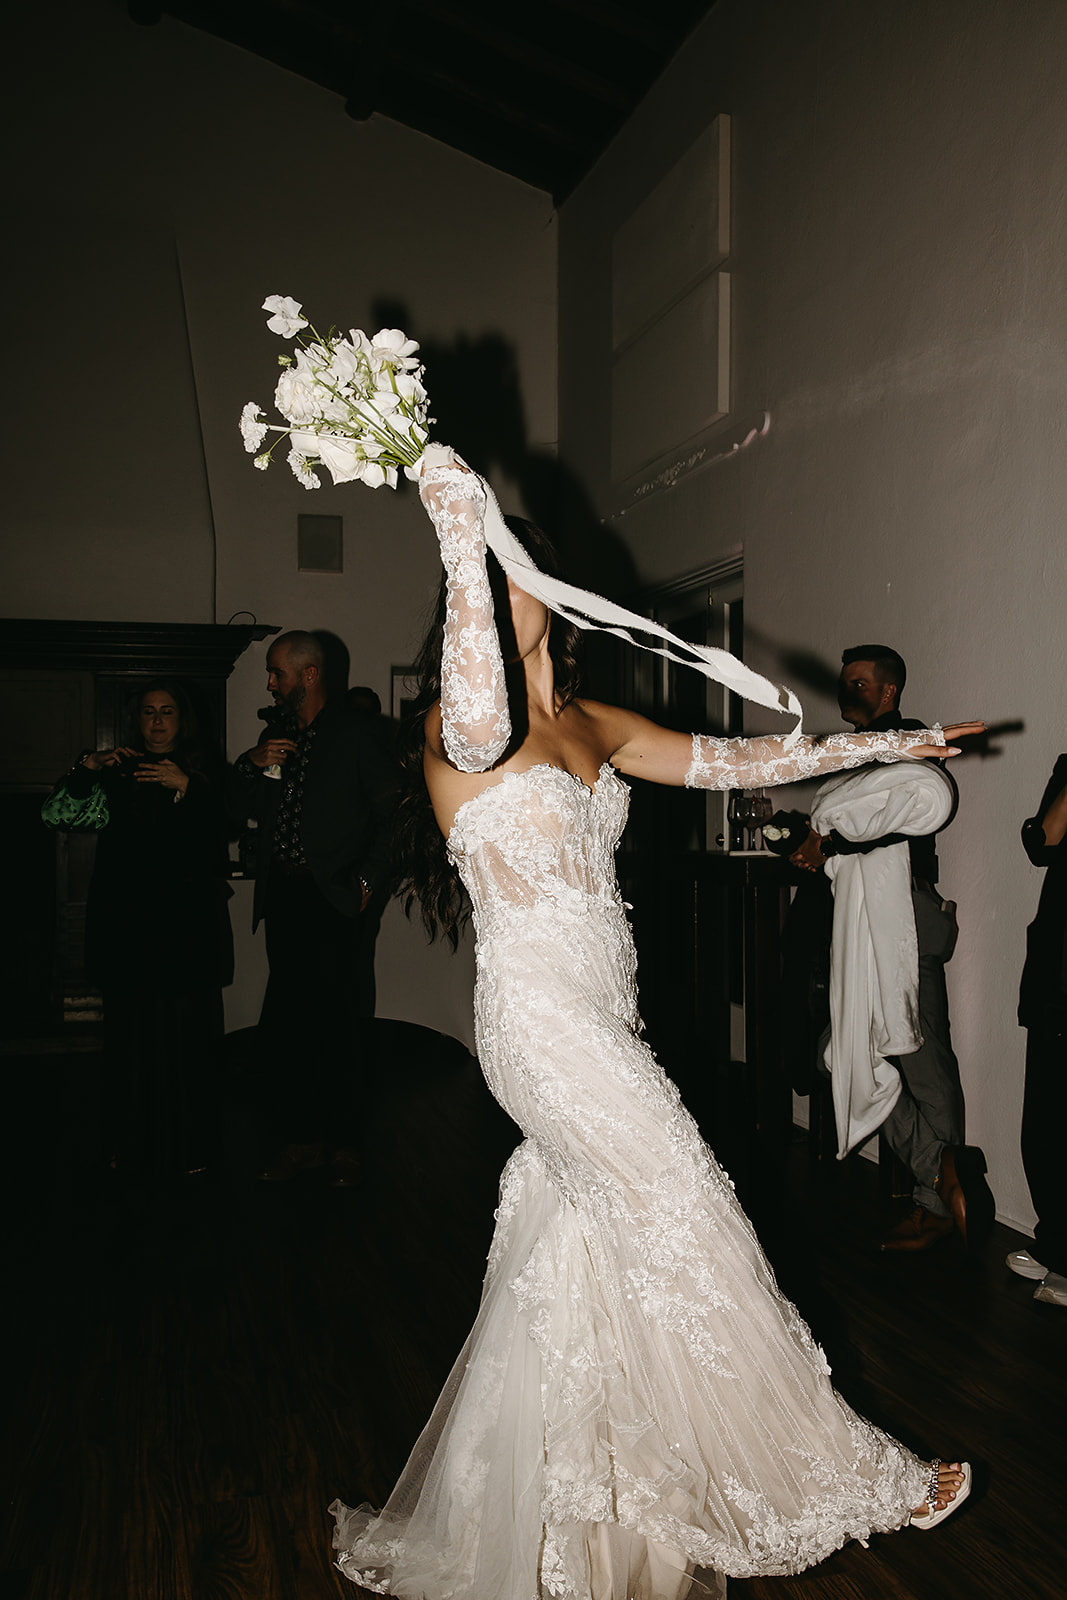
323 794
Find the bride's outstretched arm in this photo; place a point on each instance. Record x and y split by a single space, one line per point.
766 761
701 762
475 722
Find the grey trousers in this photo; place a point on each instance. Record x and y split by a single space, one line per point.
929 1112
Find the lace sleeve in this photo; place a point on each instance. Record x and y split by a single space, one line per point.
476 725
764 762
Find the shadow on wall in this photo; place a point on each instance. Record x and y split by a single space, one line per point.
338 661
476 401
808 673
802 670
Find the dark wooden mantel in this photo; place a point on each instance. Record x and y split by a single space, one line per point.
68 685
196 650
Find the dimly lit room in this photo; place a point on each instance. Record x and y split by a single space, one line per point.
532 1060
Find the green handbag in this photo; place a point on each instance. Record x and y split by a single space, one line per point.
85 814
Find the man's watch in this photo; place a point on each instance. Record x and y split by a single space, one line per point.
828 846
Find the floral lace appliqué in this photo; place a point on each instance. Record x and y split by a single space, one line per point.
756 762
476 724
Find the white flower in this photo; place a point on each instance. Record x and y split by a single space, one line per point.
374 476
390 347
302 469
384 401
253 432
262 462
286 319
348 368
409 388
298 396
343 458
315 357
337 408
355 349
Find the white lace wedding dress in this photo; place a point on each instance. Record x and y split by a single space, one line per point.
638 1410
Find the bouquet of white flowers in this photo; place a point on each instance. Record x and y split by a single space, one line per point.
353 405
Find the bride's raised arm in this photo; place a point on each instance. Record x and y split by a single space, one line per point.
701 762
475 721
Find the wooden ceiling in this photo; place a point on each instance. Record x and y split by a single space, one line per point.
537 90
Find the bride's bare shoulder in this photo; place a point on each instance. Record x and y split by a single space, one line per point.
609 729
615 721
598 710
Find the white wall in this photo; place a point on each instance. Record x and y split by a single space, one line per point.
900 228
164 184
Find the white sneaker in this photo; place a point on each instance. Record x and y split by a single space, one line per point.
1023 1263
1053 1290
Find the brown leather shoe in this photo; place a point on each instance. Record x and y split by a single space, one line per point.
962 1186
919 1230
293 1159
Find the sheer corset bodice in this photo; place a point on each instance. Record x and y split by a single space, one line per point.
540 841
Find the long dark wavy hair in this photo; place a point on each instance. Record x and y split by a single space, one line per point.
427 878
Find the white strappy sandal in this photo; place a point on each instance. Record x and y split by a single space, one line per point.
936 1514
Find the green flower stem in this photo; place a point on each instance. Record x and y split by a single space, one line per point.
387 435
272 427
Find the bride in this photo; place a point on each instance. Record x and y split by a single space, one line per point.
638 1412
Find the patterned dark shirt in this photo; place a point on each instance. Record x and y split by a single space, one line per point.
288 844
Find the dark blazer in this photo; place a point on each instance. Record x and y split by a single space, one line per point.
350 798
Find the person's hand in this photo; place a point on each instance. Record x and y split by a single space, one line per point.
108 758
955 730
166 773
441 455
810 855
272 752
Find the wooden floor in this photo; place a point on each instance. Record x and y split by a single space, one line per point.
193 1376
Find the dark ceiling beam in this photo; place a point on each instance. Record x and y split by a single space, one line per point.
523 54
485 101
537 91
658 30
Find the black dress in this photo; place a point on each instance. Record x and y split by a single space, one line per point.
158 944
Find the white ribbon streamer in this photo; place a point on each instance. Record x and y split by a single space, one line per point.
591 611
